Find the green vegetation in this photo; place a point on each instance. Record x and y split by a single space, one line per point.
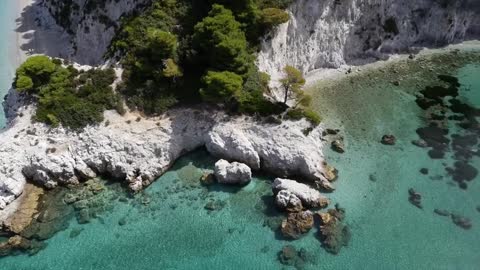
292 84
64 95
184 50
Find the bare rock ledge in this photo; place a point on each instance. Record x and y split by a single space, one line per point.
139 152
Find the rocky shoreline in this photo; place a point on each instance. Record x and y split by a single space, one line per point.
139 150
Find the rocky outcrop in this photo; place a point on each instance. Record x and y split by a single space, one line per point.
139 152
310 197
297 224
332 33
288 201
232 173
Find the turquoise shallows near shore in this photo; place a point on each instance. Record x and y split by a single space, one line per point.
174 231
7 52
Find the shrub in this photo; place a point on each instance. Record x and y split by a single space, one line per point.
295 114
312 116
221 86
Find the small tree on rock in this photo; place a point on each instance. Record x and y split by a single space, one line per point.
292 84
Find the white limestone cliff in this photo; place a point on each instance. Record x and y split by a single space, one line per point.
333 33
140 151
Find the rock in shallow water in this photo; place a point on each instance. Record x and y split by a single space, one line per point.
286 200
232 173
333 233
297 224
310 197
415 198
388 140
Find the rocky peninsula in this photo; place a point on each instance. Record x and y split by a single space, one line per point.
136 149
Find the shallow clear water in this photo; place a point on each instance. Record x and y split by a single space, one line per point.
7 25
168 228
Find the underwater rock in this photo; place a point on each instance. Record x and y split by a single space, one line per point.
288 255
310 197
420 143
478 208
462 172
441 212
330 131
286 200
388 140
122 221
462 222
83 216
75 232
297 224
215 205
415 198
273 223
338 146
232 173
17 243
330 172
424 171
333 233
207 179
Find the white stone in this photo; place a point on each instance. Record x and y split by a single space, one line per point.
310 197
232 173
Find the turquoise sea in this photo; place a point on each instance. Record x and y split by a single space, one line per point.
168 227
7 62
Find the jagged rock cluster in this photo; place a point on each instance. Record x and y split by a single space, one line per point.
140 150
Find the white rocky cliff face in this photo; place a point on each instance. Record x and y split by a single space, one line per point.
91 25
141 151
332 33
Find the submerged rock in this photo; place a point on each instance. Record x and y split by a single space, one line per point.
388 140
297 224
288 201
19 244
415 198
424 171
310 197
207 179
333 233
330 172
338 146
232 173
462 222
441 212
420 143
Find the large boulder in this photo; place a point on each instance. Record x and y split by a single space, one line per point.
227 142
310 197
232 173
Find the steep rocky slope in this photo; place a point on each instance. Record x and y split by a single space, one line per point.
91 24
331 33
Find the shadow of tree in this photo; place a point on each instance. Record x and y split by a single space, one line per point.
39 34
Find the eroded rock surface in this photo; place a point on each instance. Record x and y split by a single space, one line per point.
309 196
139 152
232 173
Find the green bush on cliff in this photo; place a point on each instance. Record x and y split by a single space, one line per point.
63 96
